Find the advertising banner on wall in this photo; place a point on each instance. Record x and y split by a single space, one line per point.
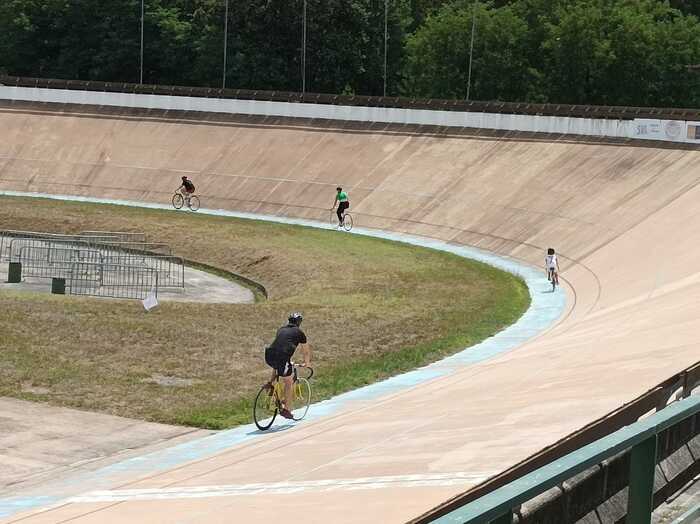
666 130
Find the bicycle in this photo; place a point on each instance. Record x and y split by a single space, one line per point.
269 402
347 220
179 201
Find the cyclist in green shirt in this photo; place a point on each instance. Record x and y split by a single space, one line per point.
341 198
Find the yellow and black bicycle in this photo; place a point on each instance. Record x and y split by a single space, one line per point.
268 401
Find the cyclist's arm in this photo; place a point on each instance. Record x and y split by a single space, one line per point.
306 353
335 202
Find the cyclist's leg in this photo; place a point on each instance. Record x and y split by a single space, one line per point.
339 212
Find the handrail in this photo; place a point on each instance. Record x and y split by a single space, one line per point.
656 398
517 108
499 503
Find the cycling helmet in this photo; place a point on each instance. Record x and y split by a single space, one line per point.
338 188
184 178
550 251
295 319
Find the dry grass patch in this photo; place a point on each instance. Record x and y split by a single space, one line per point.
373 308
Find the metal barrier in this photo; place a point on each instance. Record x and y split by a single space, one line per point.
50 261
113 281
106 264
680 385
121 236
640 438
170 269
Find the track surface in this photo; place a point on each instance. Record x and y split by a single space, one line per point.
624 219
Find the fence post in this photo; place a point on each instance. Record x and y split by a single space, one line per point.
641 483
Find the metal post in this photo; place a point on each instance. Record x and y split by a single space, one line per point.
641 484
141 62
223 83
471 51
386 38
303 50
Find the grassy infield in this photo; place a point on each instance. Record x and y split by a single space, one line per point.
372 309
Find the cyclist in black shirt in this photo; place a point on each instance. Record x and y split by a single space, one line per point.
186 189
279 357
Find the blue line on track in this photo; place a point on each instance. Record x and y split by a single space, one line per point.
545 309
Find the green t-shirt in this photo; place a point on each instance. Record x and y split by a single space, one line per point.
342 196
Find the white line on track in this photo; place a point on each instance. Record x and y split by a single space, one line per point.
280 488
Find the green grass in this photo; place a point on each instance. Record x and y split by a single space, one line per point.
372 308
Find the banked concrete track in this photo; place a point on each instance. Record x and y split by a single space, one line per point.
624 217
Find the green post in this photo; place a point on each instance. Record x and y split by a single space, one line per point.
14 273
58 286
641 490
506 518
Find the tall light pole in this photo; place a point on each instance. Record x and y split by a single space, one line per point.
141 61
471 51
303 50
223 82
386 38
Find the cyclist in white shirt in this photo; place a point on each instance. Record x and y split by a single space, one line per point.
551 264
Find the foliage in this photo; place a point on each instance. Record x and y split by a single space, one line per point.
569 51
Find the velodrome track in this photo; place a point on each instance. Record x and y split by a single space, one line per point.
623 216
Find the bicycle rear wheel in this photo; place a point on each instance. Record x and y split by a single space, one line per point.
347 222
302 398
264 409
194 203
178 200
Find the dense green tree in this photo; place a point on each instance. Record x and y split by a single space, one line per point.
438 54
623 53
579 51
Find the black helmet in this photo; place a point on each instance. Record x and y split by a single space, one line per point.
295 319
550 251
338 188
184 177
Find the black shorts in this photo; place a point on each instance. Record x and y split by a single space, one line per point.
342 206
280 363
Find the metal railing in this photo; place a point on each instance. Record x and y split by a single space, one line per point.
680 385
50 261
97 263
120 236
639 438
170 269
517 108
113 281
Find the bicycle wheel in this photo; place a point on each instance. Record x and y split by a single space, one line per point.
264 409
178 200
194 203
302 398
333 218
347 222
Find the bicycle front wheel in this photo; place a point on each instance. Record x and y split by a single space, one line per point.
302 398
194 203
178 200
264 409
347 222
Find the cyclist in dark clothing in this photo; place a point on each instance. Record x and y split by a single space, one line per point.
186 189
279 357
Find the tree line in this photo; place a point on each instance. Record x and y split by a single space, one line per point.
607 52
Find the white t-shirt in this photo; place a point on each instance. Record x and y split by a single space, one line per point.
551 261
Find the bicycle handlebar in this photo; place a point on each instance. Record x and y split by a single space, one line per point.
311 370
